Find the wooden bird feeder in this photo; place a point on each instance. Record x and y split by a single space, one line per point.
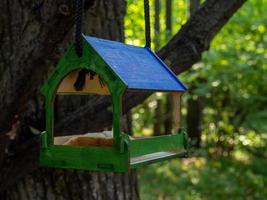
122 67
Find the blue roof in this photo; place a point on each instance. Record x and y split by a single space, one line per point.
137 67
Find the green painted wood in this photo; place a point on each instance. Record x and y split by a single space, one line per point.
91 61
143 146
90 158
102 159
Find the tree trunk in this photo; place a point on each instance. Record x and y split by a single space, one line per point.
193 119
194 106
168 119
168 19
69 184
157 24
105 20
194 5
158 110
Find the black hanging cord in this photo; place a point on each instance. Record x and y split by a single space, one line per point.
147 23
78 27
80 81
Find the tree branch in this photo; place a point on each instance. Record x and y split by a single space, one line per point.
186 47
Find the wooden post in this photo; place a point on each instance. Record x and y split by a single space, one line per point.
176 98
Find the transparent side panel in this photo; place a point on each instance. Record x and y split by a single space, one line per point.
157 115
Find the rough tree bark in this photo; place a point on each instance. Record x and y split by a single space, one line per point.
105 19
193 6
39 29
50 184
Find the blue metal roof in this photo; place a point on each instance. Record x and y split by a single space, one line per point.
138 67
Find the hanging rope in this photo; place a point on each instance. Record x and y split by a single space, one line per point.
81 78
80 81
147 23
78 27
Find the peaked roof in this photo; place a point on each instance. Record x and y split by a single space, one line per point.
137 67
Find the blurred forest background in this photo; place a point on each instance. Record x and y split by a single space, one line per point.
224 109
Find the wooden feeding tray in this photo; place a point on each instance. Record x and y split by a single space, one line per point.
85 140
158 148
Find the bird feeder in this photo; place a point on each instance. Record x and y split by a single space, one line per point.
123 68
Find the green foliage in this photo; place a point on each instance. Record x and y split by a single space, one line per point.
240 176
205 178
232 77
135 24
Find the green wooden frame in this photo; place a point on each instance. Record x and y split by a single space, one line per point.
119 157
